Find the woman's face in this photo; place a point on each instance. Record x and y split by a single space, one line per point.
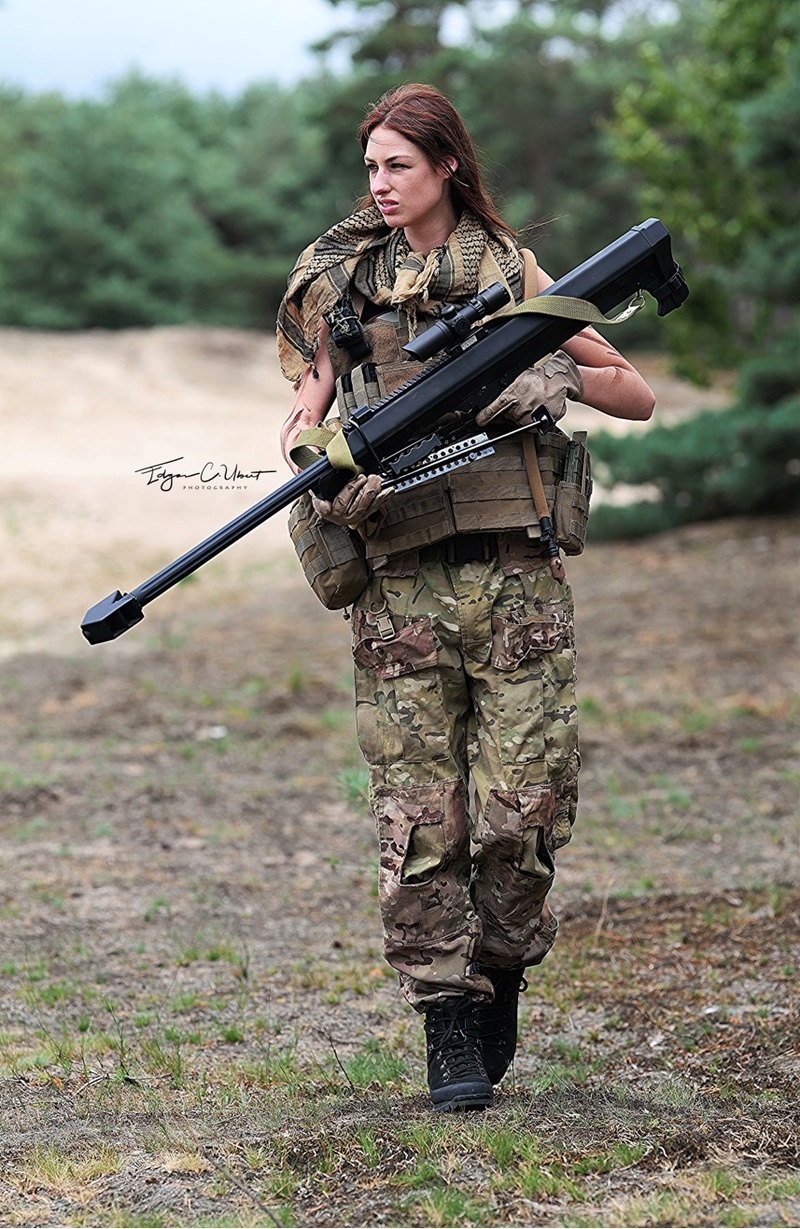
408 189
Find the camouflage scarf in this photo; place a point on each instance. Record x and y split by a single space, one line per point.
362 253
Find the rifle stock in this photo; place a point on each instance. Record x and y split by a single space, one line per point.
435 406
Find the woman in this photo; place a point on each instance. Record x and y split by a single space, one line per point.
463 636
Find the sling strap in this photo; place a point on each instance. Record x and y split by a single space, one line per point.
549 542
572 309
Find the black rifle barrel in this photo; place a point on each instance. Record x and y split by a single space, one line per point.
466 380
118 612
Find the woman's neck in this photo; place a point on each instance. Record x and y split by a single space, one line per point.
431 234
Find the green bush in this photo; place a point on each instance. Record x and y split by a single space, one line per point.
736 462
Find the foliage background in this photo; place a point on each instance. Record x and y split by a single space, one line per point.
153 205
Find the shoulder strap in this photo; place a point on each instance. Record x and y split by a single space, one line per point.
530 285
562 305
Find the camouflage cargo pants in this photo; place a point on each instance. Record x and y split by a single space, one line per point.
466 715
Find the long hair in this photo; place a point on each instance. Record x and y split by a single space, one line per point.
423 115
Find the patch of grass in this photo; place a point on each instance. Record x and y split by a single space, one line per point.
537 1181
49 994
641 722
374 1065
448 1205
590 707
370 1146
232 1033
777 1186
274 1069
505 1144
298 680
672 1206
48 1167
353 785
696 720
17 781
32 829
424 1136
336 719
186 1002
621 808
678 799
608 1160
159 908
309 1138
163 1056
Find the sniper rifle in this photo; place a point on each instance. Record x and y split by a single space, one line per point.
427 425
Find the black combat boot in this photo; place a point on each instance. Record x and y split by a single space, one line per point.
456 1074
497 1021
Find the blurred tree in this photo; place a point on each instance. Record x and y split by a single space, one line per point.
403 35
102 228
536 85
714 135
718 137
259 182
154 205
20 118
200 204
537 96
388 42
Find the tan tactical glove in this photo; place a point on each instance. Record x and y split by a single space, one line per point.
361 498
549 384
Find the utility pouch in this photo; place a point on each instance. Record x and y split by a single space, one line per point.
347 331
331 556
573 493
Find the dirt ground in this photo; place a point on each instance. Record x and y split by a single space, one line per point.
195 787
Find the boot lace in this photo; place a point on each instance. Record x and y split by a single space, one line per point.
454 1045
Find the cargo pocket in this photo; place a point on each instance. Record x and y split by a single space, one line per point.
566 802
533 690
429 924
518 635
515 871
400 714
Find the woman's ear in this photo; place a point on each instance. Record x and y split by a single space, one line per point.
451 166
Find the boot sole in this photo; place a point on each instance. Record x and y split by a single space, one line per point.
462 1097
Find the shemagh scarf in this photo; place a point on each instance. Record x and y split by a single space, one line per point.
362 253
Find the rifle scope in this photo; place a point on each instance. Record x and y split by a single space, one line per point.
455 322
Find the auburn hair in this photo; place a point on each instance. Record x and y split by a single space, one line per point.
424 116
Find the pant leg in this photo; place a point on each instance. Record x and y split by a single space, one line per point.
525 766
413 711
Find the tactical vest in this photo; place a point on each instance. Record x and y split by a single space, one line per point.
491 494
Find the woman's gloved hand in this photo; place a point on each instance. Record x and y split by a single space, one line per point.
360 499
548 384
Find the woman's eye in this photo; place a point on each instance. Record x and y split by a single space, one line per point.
393 166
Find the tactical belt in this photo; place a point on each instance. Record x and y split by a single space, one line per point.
462 548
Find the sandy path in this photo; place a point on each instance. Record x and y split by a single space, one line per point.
84 412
